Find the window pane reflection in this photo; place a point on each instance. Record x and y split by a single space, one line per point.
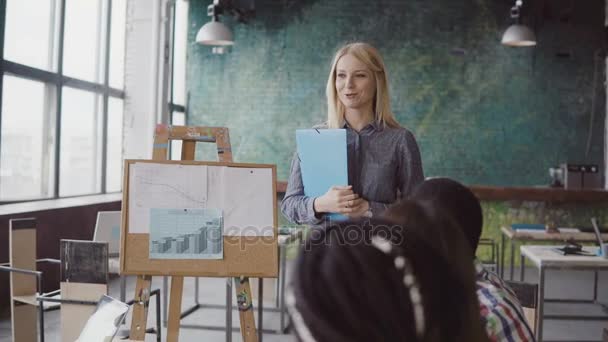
114 146
26 170
80 149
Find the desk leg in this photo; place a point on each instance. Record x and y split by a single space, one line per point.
281 294
512 270
494 258
522 269
595 286
196 291
229 310
502 256
260 307
540 304
277 287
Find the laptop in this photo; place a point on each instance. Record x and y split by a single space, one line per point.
598 235
107 229
103 324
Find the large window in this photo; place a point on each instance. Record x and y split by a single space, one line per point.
61 98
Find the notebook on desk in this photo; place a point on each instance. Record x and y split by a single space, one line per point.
568 230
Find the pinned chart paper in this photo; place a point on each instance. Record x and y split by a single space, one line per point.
165 186
186 234
243 195
248 201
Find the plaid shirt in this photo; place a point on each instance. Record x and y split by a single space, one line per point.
501 312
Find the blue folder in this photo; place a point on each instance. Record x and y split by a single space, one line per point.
323 161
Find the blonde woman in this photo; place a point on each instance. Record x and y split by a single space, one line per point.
383 157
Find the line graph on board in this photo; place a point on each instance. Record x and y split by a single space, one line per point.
169 188
164 186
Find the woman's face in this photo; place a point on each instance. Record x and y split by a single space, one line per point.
355 83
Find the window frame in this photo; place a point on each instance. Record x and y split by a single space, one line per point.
59 80
172 106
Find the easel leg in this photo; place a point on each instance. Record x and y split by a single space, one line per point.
175 308
140 308
165 298
123 288
243 298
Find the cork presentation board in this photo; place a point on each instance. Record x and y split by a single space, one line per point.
244 193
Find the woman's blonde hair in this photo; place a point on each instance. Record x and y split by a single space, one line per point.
369 56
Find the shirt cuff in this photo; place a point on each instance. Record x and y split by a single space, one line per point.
312 219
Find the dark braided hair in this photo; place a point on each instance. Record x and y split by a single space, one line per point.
346 288
456 200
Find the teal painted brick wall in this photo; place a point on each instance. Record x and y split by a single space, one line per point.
482 113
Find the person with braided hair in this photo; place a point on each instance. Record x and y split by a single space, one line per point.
501 313
375 281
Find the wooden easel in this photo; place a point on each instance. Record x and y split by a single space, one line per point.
189 137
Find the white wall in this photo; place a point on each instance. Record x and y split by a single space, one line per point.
145 84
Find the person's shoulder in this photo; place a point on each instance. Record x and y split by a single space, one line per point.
482 273
401 133
497 307
490 284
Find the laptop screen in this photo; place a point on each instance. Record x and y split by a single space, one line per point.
107 229
598 235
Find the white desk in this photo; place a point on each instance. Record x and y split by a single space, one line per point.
546 257
523 236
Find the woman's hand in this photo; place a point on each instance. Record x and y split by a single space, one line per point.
359 209
338 199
